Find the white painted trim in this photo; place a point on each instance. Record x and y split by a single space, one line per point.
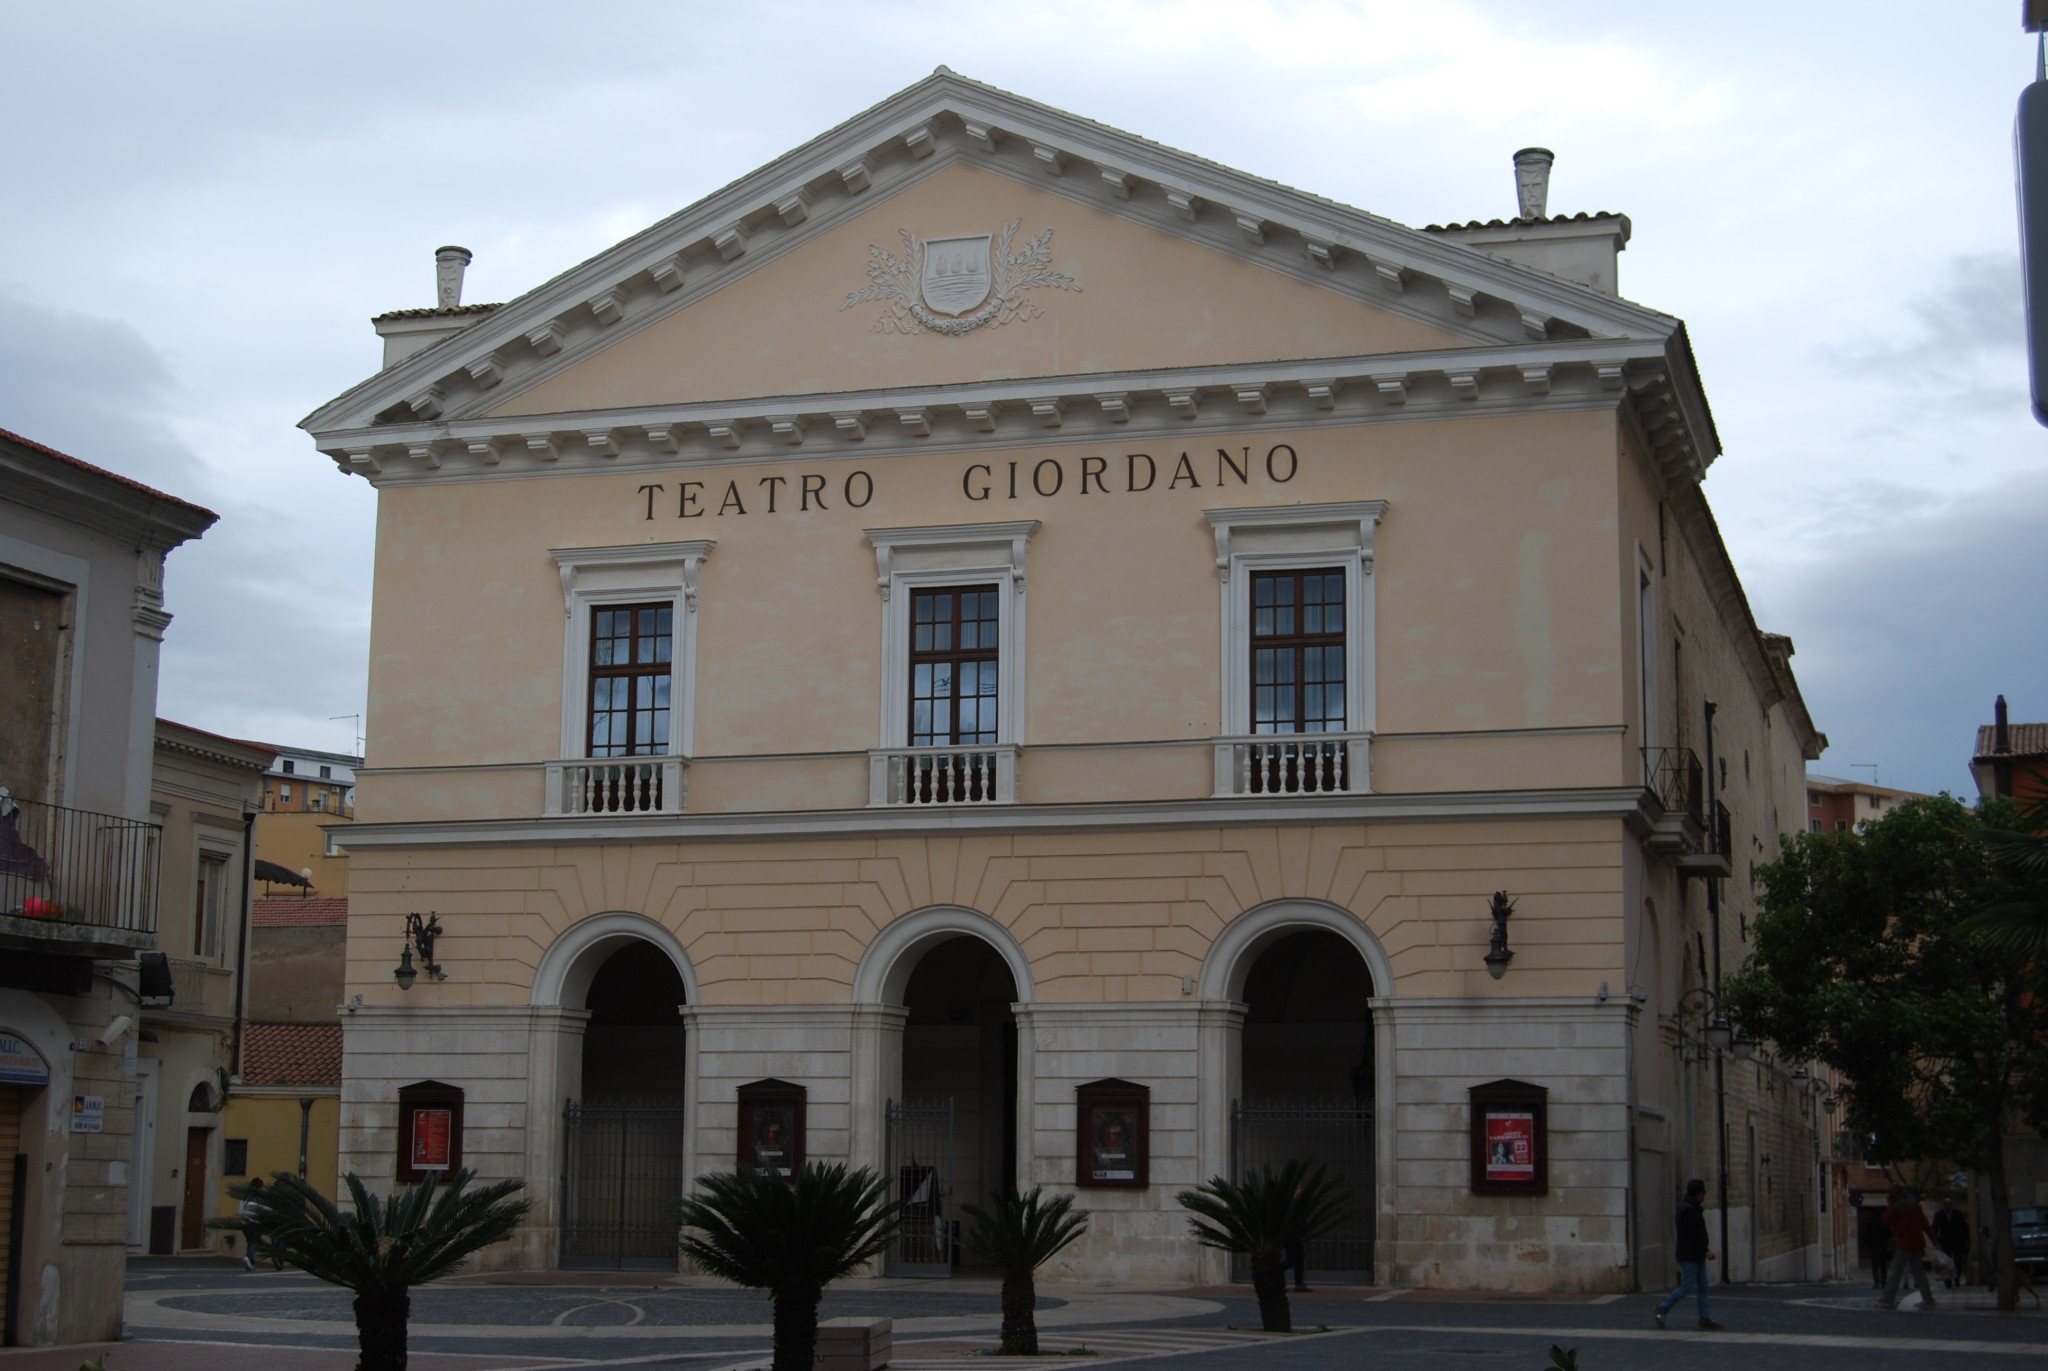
1298 537
593 576
952 554
562 980
885 967
1234 950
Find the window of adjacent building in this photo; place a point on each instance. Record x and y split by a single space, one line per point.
632 648
1297 651
207 902
287 766
326 773
284 794
237 1160
955 656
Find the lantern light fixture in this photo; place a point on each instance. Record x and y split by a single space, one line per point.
419 937
1497 954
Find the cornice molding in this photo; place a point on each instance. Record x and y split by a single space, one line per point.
1096 407
707 245
1629 804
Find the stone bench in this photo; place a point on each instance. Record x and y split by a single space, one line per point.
852 1344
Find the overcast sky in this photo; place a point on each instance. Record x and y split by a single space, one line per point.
205 203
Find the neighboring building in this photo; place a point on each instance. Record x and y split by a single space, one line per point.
306 795
81 624
2011 759
1056 706
1834 805
205 793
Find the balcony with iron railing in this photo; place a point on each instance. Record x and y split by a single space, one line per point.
1690 827
75 882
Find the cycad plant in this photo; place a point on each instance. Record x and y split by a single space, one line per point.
1018 1235
378 1248
791 1237
1260 1219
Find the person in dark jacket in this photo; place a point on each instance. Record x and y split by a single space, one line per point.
1908 1222
1693 1255
1877 1241
1952 1235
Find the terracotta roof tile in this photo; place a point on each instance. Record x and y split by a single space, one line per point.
1581 216
282 911
433 311
115 476
2027 740
291 1053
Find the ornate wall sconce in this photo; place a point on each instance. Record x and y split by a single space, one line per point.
419 936
1497 955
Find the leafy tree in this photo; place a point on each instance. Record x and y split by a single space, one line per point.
1867 956
1019 1235
791 1237
379 1248
1260 1219
2017 922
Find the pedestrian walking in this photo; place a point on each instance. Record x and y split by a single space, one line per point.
1909 1226
246 1210
1952 1235
1877 1241
1693 1255
1296 1257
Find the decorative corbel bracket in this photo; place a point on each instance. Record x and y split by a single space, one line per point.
730 241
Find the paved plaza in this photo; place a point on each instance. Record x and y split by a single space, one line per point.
208 1315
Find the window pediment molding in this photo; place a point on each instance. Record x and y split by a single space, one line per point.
1286 530
633 568
998 547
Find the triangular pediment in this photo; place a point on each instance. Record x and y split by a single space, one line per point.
1177 265
1112 295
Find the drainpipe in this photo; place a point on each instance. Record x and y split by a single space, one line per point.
1720 1063
242 941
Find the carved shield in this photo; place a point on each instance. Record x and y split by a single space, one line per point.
957 273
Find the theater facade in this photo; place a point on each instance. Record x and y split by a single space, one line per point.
998 651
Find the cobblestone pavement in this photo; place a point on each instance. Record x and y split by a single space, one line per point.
198 1315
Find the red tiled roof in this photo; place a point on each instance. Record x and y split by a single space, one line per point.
1580 217
291 1053
281 911
68 459
2026 740
434 311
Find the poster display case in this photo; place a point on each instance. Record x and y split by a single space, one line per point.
1510 1138
772 1127
429 1130
1112 1147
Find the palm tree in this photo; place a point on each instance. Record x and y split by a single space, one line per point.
1261 1219
790 1237
380 1248
2017 923
1021 1234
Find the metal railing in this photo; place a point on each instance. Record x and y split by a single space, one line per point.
1293 764
1678 779
74 866
623 785
978 774
1327 1131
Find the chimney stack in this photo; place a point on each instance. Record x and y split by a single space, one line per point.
2001 731
449 263
1532 181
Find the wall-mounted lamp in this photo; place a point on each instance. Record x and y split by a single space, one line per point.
1497 955
1745 1047
1720 1033
419 935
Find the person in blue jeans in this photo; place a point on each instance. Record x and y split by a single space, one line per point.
1693 1255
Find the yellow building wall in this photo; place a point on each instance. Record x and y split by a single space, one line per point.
297 841
270 1123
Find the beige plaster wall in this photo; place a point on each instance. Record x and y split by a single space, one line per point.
1103 917
1493 614
1146 299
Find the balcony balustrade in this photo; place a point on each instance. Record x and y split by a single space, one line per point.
976 774
75 881
1294 764
605 787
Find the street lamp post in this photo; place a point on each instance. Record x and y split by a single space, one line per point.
1699 1011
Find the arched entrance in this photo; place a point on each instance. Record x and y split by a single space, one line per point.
624 1125
951 1125
1308 1069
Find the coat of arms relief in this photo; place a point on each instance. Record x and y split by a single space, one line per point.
956 285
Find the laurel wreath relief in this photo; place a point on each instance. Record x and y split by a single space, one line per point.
897 282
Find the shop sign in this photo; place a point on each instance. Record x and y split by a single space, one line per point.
20 1063
88 1114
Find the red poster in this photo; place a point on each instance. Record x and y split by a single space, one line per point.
430 1131
1511 1147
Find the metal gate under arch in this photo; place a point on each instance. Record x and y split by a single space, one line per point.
920 1164
1333 1132
622 1174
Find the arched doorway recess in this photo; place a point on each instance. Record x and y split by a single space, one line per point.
624 1127
1308 1069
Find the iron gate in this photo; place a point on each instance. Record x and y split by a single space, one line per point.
622 1174
920 1158
1331 1132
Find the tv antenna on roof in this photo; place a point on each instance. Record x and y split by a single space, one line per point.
358 720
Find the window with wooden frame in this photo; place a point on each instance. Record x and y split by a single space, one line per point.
632 648
208 900
1298 651
955 657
